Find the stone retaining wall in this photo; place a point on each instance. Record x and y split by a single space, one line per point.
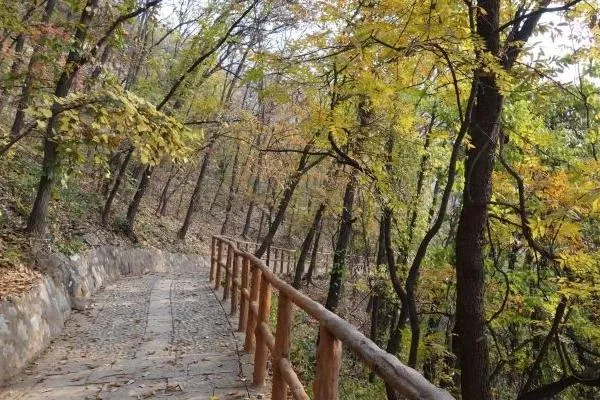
29 321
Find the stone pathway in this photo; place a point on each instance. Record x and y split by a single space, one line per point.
149 336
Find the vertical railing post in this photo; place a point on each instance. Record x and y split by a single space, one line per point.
329 357
262 351
228 264
219 261
285 318
281 253
250 342
243 300
234 286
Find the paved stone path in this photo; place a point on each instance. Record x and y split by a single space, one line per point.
149 336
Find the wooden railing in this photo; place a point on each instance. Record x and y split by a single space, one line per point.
250 282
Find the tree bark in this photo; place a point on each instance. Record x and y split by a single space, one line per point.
196 194
32 68
250 210
115 188
223 165
36 222
341 248
134 206
484 123
161 208
14 72
232 190
290 187
315 252
395 339
305 248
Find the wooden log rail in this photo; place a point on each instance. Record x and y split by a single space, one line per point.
250 282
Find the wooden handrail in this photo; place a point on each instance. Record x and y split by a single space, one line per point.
254 289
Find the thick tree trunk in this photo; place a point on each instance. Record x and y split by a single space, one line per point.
479 165
305 248
470 271
196 194
341 248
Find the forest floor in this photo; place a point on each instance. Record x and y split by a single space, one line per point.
74 222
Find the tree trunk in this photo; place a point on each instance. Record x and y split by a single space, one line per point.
36 222
223 169
134 206
196 194
161 208
115 188
395 339
232 190
288 193
377 298
14 71
341 248
32 68
315 252
304 250
479 165
248 221
470 272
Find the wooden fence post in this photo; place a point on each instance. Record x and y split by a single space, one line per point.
234 285
250 342
329 358
285 318
228 264
262 351
243 300
219 261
